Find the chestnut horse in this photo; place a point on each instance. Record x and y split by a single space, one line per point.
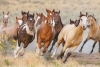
25 35
45 33
72 36
94 32
5 20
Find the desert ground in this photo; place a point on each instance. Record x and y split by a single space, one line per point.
69 9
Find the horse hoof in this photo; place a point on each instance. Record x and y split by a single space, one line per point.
41 54
80 50
64 61
52 57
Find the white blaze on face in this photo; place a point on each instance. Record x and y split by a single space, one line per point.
84 21
50 13
20 22
37 20
5 16
30 18
53 23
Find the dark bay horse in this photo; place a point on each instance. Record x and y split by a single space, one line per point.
58 25
45 33
25 35
94 32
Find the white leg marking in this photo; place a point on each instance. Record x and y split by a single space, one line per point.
53 54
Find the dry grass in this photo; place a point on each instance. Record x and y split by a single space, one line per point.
31 59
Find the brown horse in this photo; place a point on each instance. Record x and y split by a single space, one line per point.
72 36
58 25
45 33
25 35
11 31
93 33
24 16
5 20
39 18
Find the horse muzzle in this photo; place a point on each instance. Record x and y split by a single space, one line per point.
84 28
88 26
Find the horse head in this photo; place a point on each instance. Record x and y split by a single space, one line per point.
5 19
24 16
39 18
83 19
30 21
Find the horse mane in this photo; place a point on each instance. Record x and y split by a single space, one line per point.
92 17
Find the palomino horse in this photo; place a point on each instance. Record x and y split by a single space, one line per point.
25 35
58 25
72 36
45 34
94 32
5 20
11 31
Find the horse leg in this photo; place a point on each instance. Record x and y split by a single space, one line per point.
62 51
83 45
57 45
69 53
93 46
45 47
54 41
17 49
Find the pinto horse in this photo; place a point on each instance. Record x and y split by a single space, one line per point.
45 34
94 32
71 36
5 20
25 35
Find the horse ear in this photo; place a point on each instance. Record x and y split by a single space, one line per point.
86 13
28 12
53 10
47 10
36 13
16 17
8 13
80 13
3 12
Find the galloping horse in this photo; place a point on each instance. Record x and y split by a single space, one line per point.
39 18
94 32
25 35
58 24
5 20
71 36
45 33
11 32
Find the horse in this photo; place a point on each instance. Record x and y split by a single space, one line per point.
11 32
93 33
71 36
58 25
5 20
24 16
39 18
76 22
45 33
25 35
